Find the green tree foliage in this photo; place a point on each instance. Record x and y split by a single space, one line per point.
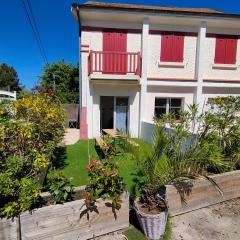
66 82
8 78
223 121
30 130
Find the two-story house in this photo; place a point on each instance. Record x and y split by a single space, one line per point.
140 61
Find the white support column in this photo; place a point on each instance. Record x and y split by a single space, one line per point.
143 81
200 59
84 96
90 109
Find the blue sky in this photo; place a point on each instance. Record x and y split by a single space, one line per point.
58 31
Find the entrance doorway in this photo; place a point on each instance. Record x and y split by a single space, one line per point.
114 113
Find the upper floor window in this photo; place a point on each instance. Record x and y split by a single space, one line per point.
168 105
172 47
226 49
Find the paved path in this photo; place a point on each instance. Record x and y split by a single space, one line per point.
217 222
71 136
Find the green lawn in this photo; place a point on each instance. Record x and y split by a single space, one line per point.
77 159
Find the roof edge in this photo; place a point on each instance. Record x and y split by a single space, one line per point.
148 9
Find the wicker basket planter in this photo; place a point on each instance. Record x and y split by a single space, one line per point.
153 226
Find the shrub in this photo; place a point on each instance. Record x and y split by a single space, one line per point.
59 186
18 192
30 130
105 182
223 121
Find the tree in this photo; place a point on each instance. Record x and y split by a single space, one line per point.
9 78
63 78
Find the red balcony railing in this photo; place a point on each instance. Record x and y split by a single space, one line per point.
114 62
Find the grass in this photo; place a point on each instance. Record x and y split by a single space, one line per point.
77 159
134 233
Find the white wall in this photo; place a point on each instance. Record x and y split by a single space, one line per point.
154 53
134 42
147 131
118 90
210 72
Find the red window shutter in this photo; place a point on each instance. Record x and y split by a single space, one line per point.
178 48
220 50
166 48
114 41
231 51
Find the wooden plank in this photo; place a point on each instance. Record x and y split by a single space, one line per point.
8 229
101 142
111 132
64 222
202 193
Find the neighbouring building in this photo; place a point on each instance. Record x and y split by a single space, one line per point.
140 61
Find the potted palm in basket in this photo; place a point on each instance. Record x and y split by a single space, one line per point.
176 155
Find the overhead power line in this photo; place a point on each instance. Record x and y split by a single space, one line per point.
31 19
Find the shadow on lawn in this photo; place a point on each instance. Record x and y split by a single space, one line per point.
59 157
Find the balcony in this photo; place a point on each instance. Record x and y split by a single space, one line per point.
114 65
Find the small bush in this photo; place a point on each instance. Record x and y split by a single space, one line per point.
59 186
105 182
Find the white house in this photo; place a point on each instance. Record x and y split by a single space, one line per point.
6 95
138 61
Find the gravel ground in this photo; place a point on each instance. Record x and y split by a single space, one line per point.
112 236
217 222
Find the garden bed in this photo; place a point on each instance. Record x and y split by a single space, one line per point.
68 220
191 195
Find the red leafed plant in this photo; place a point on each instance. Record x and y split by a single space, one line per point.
105 182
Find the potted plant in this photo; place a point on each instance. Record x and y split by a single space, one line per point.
150 206
176 155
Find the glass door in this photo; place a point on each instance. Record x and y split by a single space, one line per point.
121 114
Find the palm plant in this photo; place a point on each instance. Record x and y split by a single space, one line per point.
183 151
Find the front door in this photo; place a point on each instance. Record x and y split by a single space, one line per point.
114 113
107 112
114 52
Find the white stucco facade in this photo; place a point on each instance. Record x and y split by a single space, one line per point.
194 80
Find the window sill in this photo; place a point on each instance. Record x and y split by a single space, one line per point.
172 64
225 66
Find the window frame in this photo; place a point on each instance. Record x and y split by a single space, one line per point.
168 104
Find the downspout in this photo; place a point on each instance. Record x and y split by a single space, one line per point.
80 66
